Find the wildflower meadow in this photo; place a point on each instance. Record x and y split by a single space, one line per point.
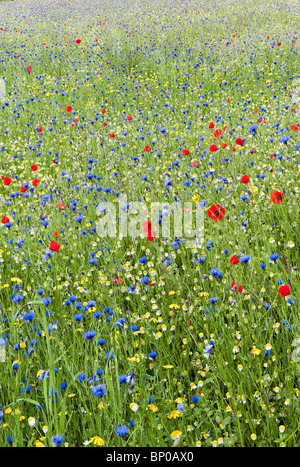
149 223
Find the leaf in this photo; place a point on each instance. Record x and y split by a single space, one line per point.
226 421
31 401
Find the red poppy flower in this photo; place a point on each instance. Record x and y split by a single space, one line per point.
236 287
69 108
23 189
54 246
211 125
78 41
294 127
129 118
146 226
194 162
147 148
5 219
117 280
55 234
6 181
151 236
284 290
112 135
234 260
277 197
35 182
104 124
245 179
185 152
34 167
61 205
103 111
239 141
39 129
224 145
217 133
213 148
29 69
216 212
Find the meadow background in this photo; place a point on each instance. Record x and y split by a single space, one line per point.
142 342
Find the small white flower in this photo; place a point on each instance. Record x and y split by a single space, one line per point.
31 421
134 407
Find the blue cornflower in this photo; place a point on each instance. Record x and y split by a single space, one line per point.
98 391
109 355
57 440
284 139
209 245
78 317
152 355
121 430
245 259
89 335
213 272
213 300
28 316
253 129
143 260
81 377
16 298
